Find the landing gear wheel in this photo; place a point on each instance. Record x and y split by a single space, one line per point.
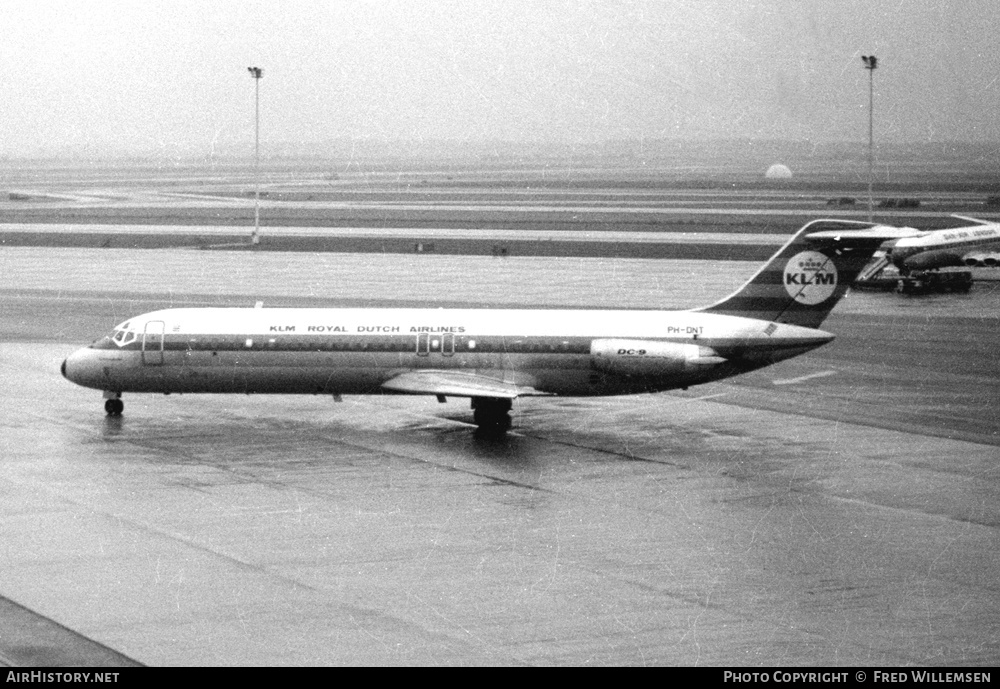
496 423
114 407
491 414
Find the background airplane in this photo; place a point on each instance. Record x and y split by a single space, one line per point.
489 356
933 249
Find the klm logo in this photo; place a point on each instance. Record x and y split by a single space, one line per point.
810 277
807 279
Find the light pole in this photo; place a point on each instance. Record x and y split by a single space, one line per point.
871 63
256 73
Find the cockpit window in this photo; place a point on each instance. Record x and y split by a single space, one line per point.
122 335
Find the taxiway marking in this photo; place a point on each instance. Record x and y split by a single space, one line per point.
802 379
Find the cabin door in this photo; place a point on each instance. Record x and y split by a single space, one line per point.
152 343
443 344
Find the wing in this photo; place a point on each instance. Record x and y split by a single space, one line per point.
457 384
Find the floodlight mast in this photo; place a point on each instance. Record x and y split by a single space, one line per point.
871 64
257 73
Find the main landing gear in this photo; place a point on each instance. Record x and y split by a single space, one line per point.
491 414
113 404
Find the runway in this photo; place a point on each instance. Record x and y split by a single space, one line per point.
837 509
231 233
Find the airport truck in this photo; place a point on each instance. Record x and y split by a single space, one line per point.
881 275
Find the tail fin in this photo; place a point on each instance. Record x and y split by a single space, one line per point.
802 283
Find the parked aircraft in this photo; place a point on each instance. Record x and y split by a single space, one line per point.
943 248
489 356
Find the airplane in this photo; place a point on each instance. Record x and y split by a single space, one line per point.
490 356
932 249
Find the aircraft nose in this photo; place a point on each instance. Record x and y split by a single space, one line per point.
83 368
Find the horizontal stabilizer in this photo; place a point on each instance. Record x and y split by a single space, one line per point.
456 384
882 233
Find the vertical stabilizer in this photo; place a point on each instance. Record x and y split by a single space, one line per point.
802 283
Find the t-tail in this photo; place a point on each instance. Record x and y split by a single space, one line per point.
802 283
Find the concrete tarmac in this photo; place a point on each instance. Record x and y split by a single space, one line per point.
837 509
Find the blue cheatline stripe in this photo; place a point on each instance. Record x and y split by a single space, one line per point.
404 344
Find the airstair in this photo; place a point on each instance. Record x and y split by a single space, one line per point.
872 270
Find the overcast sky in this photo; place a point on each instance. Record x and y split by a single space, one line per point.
172 74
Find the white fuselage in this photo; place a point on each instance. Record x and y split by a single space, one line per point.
972 236
958 240
357 351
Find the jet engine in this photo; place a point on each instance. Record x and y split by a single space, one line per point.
926 260
987 260
650 358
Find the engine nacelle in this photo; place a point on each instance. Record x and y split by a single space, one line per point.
928 260
650 358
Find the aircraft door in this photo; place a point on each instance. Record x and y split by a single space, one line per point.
448 344
443 344
152 343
